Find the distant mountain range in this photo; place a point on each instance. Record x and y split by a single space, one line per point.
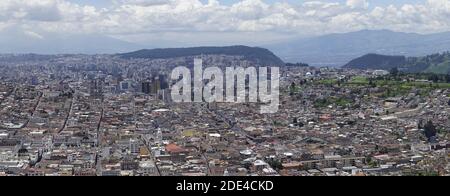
327 50
435 63
17 41
259 55
338 49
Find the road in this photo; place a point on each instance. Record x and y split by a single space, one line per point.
34 109
98 168
68 114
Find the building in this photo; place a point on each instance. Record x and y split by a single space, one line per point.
380 72
145 87
134 146
156 86
125 85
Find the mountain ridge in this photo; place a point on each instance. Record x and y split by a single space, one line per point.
438 63
339 48
257 54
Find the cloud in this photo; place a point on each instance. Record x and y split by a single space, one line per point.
161 17
33 35
144 2
30 10
358 4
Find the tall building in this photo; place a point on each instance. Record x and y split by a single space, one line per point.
156 86
145 87
96 87
134 146
163 82
125 85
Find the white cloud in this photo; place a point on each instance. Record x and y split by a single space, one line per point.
33 35
30 10
358 4
138 17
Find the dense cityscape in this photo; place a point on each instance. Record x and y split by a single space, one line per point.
103 115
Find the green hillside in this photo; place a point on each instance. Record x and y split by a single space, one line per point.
259 55
435 63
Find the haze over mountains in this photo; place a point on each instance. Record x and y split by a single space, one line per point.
327 50
15 41
338 49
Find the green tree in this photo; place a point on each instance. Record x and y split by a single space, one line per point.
434 78
275 164
292 88
430 130
394 72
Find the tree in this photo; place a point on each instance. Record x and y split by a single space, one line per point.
434 78
394 72
292 88
430 130
372 83
275 164
388 92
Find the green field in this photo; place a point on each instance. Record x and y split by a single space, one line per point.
441 68
359 80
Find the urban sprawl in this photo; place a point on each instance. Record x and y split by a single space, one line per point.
101 115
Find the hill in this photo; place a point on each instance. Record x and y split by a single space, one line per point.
376 61
338 49
436 63
259 55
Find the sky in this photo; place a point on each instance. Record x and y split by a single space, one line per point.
106 3
208 22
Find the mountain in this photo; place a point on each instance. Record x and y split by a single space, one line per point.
376 61
338 49
18 41
258 55
436 63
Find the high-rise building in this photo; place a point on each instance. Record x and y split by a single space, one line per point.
145 87
163 82
96 87
125 85
134 146
156 86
